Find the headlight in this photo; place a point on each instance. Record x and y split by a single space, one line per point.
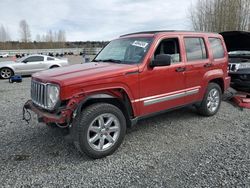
244 65
52 95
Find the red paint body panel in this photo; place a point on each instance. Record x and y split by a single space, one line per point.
141 83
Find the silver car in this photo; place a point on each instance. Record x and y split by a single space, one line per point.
29 65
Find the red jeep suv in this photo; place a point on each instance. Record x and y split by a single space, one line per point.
135 76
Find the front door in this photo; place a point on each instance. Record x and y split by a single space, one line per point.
163 87
30 65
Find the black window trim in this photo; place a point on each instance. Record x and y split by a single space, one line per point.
165 38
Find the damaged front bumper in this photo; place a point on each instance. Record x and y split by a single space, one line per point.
62 116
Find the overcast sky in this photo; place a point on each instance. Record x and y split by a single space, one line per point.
94 19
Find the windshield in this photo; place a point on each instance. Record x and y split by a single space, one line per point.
20 60
126 50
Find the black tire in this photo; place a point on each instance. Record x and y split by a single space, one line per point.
203 108
54 66
11 73
87 118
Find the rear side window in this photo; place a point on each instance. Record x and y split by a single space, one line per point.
217 48
195 48
50 59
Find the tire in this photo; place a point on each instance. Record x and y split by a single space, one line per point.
6 73
54 66
211 101
92 136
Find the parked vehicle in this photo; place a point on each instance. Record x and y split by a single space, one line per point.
238 45
135 76
29 65
4 55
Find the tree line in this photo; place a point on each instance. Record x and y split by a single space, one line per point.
51 39
220 15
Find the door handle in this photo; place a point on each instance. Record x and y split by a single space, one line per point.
208 65
180 69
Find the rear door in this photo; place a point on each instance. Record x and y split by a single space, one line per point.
197 64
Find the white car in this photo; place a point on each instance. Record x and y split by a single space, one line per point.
4 55
29 65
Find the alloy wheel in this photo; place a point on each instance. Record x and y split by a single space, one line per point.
103 132
213 100
6 73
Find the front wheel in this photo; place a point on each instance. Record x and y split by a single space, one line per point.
100 130
6 73
211 101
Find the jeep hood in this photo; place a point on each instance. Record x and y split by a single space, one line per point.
236 40
83 73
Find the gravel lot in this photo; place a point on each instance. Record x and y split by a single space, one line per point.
177 149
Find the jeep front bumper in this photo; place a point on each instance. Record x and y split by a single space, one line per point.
63 116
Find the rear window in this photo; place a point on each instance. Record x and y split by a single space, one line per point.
217 48
195 48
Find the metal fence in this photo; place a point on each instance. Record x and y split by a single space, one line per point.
76 51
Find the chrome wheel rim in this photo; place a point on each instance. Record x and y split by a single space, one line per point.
5 73
103 132
213 100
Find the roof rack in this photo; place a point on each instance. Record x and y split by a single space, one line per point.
153 32
160 31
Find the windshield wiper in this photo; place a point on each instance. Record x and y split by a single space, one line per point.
108 60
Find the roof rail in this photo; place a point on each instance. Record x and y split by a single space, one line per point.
161 31
154 32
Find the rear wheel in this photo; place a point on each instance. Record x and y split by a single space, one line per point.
100 130
54 66
6 73
211 101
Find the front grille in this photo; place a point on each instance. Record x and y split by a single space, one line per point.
39 94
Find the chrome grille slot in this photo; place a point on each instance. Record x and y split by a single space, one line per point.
39 94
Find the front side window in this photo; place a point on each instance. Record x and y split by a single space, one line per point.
217 48
195 48
33 59
170 47
125 50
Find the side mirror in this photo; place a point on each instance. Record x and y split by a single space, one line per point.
24 61
161 60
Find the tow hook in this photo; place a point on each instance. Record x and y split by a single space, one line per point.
26 114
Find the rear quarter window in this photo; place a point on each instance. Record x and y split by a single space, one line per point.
50 59
217 48
195 48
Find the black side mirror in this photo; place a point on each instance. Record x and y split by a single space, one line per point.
24 61
161 60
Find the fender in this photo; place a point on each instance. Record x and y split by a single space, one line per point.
54 64
8 66
211 75
93 89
